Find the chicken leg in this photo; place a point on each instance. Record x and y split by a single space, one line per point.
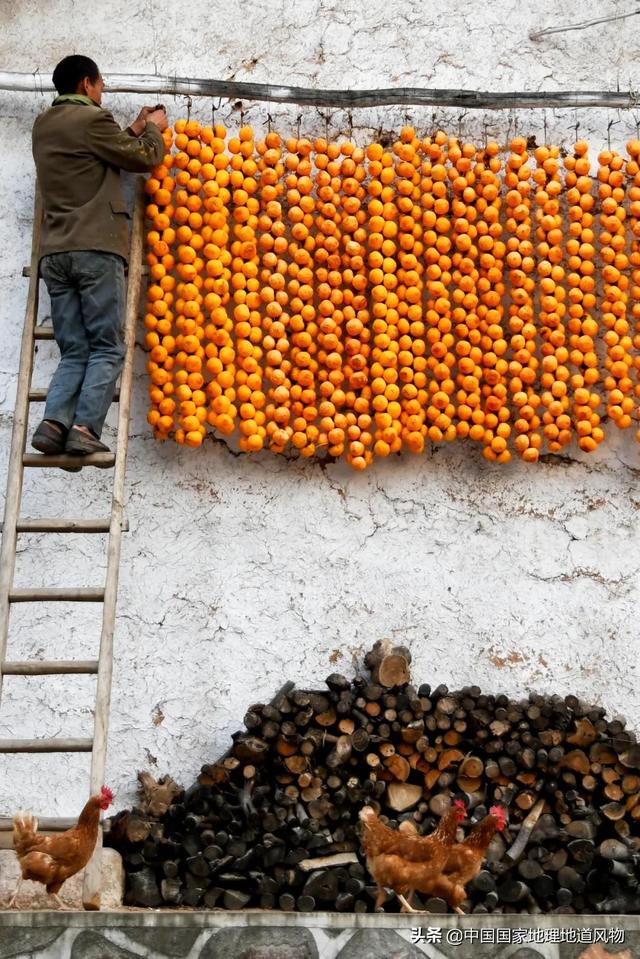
382 893
15 894
61 904
406 906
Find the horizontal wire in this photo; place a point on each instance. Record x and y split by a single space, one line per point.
583 25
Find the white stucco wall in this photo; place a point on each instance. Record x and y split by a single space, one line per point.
239 572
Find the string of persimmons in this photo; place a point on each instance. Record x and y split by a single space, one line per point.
318 295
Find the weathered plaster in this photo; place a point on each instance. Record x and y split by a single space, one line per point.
239 572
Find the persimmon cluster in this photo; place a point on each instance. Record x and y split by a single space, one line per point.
326 298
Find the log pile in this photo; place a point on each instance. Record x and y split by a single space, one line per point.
273 823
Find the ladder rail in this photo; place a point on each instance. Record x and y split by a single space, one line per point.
91 885
15 471
13 524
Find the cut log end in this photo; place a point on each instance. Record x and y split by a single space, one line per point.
402 796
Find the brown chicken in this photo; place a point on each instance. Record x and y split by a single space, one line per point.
391 853
51 860
464 862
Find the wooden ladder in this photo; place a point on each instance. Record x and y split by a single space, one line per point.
14 524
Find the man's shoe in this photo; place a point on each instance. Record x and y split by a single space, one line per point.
47 439
80 443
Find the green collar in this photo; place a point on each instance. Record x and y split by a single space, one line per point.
74 98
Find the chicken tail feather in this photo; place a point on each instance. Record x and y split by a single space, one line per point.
25 831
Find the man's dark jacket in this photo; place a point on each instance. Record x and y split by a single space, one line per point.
79 150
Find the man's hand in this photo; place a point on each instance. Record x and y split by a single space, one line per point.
159 117
138 125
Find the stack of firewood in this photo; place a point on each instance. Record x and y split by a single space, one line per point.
273 824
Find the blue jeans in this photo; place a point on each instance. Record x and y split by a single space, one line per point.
87 291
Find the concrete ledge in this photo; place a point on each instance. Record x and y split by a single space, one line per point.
278 935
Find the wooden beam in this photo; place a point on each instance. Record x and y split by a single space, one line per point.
340 99
46 745
40 396
57 594
101 460
47 525
51 667
45 823
144 270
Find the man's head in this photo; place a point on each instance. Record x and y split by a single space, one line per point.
77 74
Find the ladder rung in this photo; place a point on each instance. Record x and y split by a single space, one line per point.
35 667
46 745
101 460
43 333
40 396
67 526
45 823
144 270
54 594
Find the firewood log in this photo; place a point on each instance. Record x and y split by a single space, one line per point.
288 791
157 795
403 795
388 664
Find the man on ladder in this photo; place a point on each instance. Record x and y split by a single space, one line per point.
79 150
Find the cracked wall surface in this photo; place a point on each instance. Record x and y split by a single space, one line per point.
240 572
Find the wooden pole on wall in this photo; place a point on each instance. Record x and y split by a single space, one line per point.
347 99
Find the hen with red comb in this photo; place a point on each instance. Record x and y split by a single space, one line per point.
462 809
394 855
52 860
464 861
